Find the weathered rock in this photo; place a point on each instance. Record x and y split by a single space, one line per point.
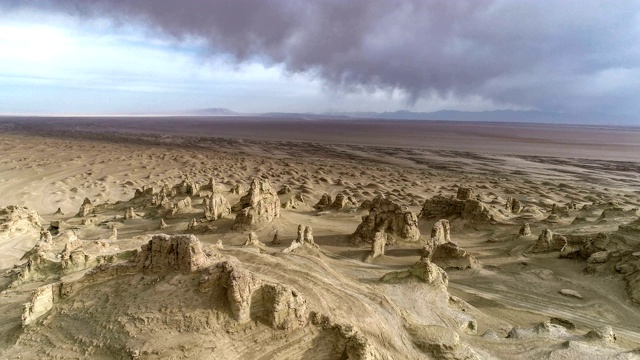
377 246
603 334
598 257
324 201
304 240
342 201
440 233
548 241
237 189
240 284
513 205
130 214
525 230
567 324
451 256
58 212
296 201
40 303
260 206
286 189
86 208
253 240
216 207
45 236
470 209
114 233
571 293
187 187
424 270
276 238
386 216
464 193
285 308
181 206
171 252
162 224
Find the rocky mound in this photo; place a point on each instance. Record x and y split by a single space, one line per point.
388 217
424 270
171 252
258 207
464 206
548 241
17 219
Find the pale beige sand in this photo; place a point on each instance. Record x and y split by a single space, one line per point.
513 289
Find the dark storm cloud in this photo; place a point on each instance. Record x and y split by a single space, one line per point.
550 55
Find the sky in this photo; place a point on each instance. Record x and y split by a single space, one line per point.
164 56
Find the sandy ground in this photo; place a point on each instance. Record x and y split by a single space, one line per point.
49 166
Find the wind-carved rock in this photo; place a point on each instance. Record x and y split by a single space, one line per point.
424 270
171 252
377 246
216 207
548 241
451 256
259 207
86 209
276 238
40 303
525 230
513 205
296 201
237 189
464 193
386 216
464 206
162 224
342 201
187 187
286 189
181 206
440 233
324 202
303 240
130 214
253 240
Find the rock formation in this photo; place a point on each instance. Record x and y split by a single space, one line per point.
341 202
324 201
513 205
162 224
286 189
548 241
253 240
216 207
276 238
294 202
463 206
171 252
440 233
303 240
237 189
260 206
86 209
451 256
424 270
525 230
377 246
40 303
386 216
181 206
129 214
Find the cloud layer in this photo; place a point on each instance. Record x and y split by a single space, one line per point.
575 56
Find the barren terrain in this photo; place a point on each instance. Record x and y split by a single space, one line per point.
420 252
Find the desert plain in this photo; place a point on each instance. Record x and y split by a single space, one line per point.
266 238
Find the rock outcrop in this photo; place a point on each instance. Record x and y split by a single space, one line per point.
388 217
17 219
216 207
440 233
129 214
451 256
424 270
86 209
548 241
253 240
377 246
463 206
40 303
525 230
513 205
341 202
257 208
304 240
171 253
324 202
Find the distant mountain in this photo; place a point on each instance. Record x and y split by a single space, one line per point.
214 112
